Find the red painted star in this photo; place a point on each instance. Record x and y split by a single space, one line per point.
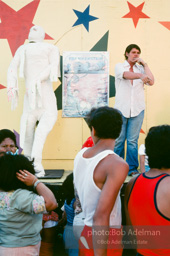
15 25
166 24
136 13
142 131
2 87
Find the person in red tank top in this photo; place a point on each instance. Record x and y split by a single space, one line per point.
147 198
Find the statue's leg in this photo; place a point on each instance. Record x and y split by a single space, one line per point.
29 134
45 125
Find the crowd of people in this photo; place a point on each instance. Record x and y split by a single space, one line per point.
97 179
85 217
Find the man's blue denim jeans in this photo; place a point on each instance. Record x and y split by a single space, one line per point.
130 131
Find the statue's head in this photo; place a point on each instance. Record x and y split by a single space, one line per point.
36 34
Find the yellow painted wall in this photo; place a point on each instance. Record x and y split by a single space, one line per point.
57 18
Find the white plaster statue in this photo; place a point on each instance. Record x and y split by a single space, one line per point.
38 63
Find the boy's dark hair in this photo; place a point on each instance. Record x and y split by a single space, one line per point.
130 47
68 188
5 133
106 121
9 166
157 145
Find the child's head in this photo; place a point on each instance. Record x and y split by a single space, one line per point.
9 166
68 188
157 145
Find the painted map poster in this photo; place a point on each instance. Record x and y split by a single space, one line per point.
85 82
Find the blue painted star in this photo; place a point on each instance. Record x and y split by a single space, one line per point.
84 18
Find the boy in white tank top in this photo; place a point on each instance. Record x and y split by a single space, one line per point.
98 176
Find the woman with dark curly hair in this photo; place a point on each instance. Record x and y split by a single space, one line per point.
23 200
8 142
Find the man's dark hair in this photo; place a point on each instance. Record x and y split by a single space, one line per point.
106 121
157 145
5 133
9 166
130 47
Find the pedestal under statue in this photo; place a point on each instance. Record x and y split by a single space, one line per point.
38 63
